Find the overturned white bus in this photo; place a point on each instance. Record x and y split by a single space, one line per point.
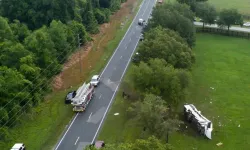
202 124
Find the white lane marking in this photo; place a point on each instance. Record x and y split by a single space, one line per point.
77 140
121 57
145 9
66 132
123 38
103 71
100 96
112 98
90 115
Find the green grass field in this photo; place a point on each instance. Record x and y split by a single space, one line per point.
222 63
40 130
242 5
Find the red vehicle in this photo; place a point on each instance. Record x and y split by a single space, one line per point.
83 96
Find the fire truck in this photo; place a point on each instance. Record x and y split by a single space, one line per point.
83 96
201 123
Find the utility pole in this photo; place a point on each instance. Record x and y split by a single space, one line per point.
80 58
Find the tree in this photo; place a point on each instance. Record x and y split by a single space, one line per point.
89 19
159 78
58 34
76 28
33 73
172 19
165 44
151 143
40 43
20 31
153 114
229 17
12 93
183 9
191 3
5 30
207 12
10 54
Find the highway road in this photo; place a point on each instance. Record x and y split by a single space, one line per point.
243 29
84 127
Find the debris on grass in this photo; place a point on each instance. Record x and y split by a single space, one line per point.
219 144
239 125
116 114
212 88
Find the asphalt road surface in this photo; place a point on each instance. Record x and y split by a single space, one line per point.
243 29
84 127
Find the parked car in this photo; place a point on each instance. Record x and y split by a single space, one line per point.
95 80
247 24
69 97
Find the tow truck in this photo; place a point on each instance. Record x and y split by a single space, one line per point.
83 96
202 124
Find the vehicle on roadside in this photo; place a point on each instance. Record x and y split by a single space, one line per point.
135 58
141 37
247 24
95 80
69 97
201 123
98 144
83 96
18 146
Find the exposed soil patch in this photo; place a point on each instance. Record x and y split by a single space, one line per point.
92 51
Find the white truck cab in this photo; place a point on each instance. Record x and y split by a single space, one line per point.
203 125
95 80
18 146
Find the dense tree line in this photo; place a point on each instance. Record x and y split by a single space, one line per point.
177 17
37 13
209 15
36 38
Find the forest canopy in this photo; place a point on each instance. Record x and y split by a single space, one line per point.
36 38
